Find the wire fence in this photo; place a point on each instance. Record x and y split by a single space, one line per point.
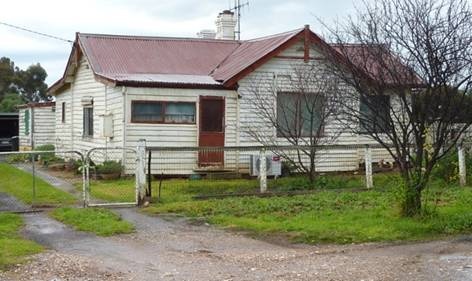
111 177
40 179
241 170
226 171
128 176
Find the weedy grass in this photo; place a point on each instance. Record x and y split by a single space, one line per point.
19 184
13 248
100 221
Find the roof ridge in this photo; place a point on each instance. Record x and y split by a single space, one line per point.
274 35
146 37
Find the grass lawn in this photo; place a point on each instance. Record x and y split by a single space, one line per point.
327 216
102 222
13 249
19 184
123 190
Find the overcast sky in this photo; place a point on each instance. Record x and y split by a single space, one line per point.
143 17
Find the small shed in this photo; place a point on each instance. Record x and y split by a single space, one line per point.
8 130
37 124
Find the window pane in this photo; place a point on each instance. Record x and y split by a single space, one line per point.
88 122
286 114
180 112
374 113
27 121
63 113
311 106
146 112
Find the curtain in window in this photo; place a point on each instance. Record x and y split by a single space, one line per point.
147 112
180 112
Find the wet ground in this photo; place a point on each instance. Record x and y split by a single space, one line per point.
175 249
11 204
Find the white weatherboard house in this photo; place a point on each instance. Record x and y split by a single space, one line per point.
36 125
172 92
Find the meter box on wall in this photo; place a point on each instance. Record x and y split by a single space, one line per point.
107 125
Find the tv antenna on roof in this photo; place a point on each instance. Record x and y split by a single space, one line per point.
237 9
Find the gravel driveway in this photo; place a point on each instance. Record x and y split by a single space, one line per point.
178 250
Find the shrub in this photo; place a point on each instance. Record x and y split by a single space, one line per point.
109 167
46 157
447 168
18 158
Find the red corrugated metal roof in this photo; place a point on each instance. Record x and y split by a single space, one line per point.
110 55
250 52
160 61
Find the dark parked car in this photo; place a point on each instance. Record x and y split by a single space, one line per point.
9 131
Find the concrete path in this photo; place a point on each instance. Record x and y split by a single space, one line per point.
9 203
52 180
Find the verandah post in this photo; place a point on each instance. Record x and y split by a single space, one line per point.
262 170
369 182
462 167
140 173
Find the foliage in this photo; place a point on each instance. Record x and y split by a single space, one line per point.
102 222
447 168
10 102
410 71
123 190
18 158
13 248
109 167
19 184
47 156
328 216
21 85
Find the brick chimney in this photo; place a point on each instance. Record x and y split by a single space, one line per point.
225 25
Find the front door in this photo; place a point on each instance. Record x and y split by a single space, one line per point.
212 130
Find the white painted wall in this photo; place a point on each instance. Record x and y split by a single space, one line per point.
42 127
273 72
172 135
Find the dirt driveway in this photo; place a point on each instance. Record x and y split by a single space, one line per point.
177 250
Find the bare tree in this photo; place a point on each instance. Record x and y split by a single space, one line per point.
294 108
410 64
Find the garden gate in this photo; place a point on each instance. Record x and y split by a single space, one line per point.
111 177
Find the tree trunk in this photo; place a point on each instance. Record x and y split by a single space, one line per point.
412 203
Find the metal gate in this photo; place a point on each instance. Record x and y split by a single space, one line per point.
33 180
111 177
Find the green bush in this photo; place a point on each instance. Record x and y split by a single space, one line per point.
18 158
109 167
447 168
74 165
46 157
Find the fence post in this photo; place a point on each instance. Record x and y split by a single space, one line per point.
462 168
33 200
140 173
262 171
369 182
